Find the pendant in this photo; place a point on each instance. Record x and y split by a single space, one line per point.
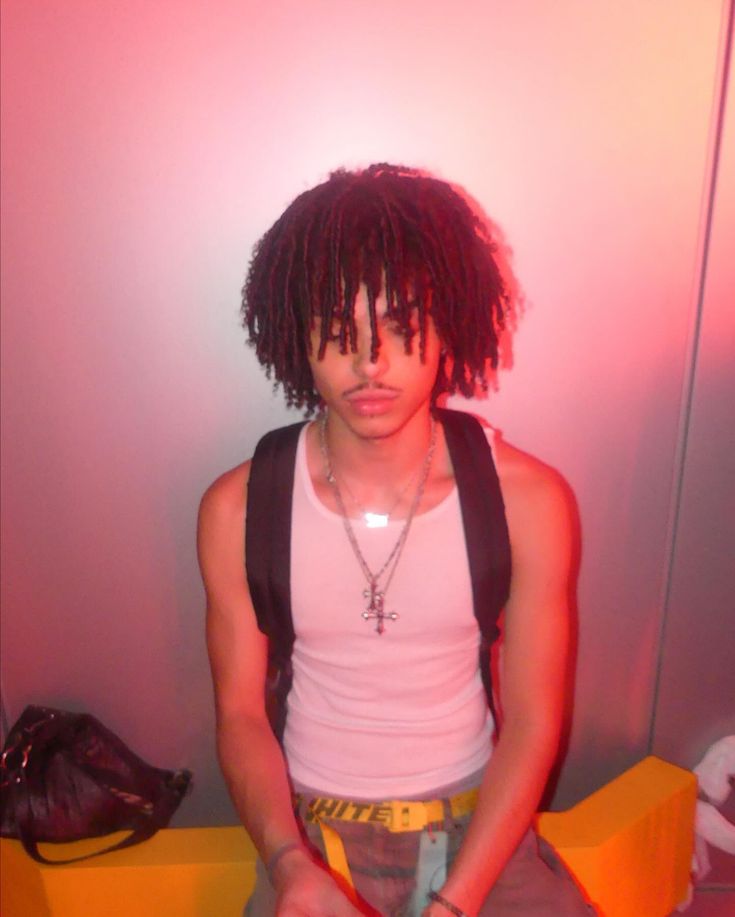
375 520
375 610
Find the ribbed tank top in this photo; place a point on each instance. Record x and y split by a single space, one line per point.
374 715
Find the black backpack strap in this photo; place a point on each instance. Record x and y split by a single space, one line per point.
268 557
268 542
485 526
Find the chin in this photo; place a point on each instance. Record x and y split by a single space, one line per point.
378 426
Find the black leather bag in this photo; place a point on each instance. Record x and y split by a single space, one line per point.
64 776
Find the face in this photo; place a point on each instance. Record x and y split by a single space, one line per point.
376 399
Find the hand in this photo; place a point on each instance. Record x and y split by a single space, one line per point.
306 889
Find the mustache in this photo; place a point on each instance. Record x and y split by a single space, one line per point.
369 387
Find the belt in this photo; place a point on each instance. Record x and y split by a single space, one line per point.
396 815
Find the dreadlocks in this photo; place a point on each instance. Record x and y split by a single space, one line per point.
387 226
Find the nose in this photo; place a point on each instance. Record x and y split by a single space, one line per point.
365 367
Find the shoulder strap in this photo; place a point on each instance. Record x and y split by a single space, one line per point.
268 557
483 516
485 526
268 541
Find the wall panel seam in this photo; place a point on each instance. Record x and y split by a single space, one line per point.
689 376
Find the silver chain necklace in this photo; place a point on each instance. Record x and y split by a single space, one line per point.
375 520
374 594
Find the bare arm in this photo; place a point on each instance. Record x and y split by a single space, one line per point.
532 679
249 755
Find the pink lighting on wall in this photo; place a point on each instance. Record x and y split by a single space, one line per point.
146 146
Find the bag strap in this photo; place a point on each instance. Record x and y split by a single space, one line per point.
268 535
483 516
485 528
268 542
268 559
24 825
140 834
268 531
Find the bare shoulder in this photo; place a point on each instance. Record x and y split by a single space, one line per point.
538 501
226 496
221 526
524 476
237 649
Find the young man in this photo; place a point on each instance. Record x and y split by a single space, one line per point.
350 653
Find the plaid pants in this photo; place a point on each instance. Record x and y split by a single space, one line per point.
384 865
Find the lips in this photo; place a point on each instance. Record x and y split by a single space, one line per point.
371 401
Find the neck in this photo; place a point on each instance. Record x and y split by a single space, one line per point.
378 462
375 510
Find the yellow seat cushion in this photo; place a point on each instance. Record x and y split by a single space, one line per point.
182 872
630 843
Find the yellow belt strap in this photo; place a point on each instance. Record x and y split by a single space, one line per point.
335 851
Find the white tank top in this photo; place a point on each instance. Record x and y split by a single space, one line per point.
392 715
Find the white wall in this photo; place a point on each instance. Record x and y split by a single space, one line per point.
146 146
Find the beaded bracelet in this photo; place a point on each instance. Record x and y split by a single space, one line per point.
452 908
281 852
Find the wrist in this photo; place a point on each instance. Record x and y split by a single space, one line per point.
284 860
448 906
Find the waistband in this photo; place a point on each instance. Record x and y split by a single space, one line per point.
397 815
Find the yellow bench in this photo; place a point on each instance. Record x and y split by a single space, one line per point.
629 845
180 872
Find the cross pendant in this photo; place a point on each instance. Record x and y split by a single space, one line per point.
375 610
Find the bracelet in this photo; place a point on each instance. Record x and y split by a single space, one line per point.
279 854
452 908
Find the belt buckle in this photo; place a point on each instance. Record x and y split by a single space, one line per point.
415 816
407 816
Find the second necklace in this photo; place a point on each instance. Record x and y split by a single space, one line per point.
374 593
